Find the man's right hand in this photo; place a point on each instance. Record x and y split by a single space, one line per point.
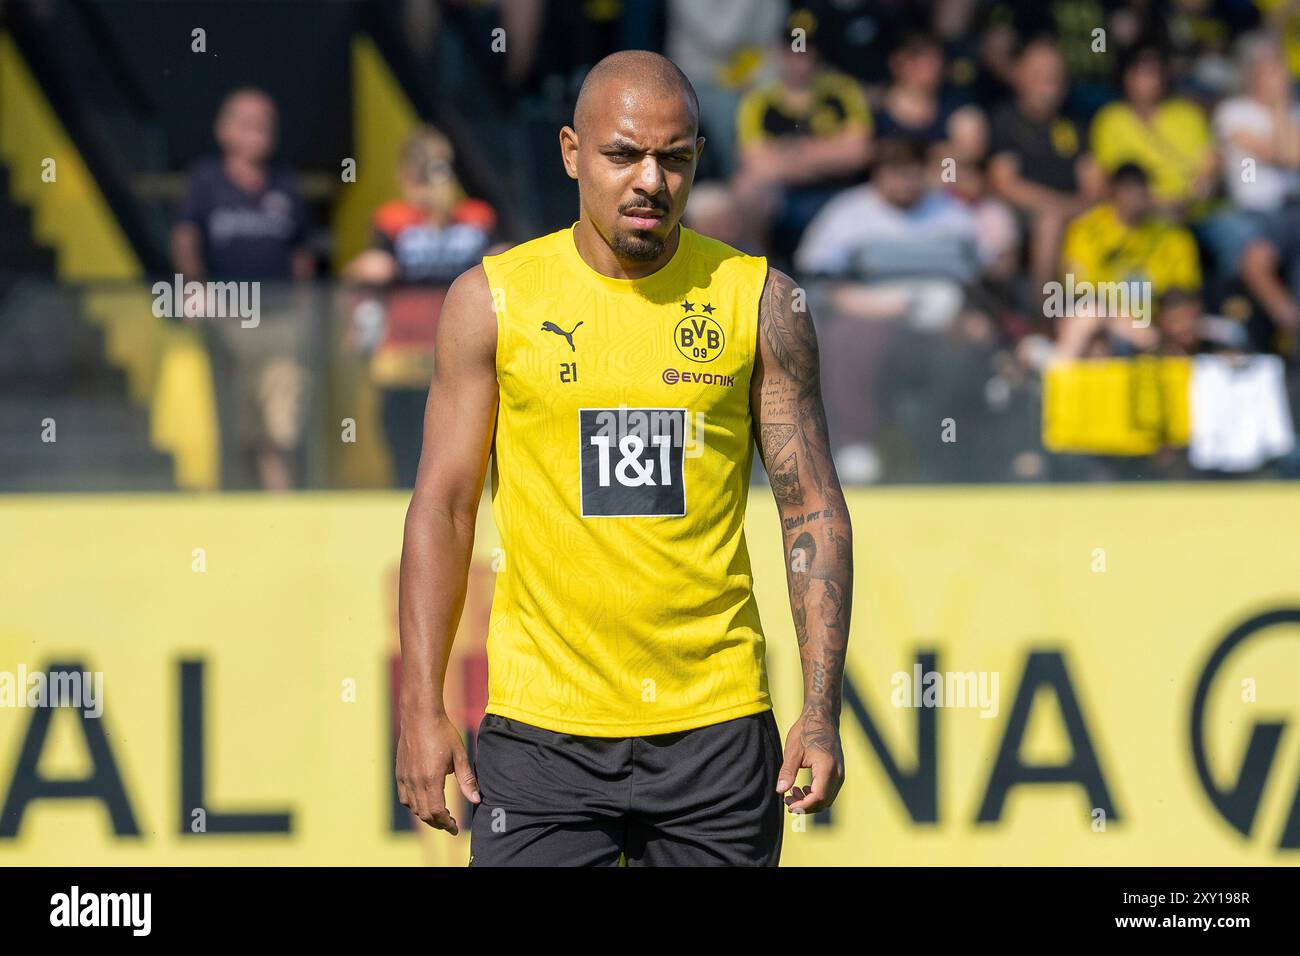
428 748
438 543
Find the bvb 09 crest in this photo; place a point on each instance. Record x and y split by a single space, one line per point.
698 335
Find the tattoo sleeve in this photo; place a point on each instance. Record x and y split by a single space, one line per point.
790 426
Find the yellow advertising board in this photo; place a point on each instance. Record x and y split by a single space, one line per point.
1047 675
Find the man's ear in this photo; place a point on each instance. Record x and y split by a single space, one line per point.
699 147
569 151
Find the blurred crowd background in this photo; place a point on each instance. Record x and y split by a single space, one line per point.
946 178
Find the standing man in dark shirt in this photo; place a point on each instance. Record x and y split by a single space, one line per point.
242 220
1038 160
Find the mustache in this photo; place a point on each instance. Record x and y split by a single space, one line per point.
656 204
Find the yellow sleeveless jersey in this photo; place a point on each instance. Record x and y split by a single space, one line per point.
620 474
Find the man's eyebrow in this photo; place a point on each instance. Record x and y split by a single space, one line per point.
620 143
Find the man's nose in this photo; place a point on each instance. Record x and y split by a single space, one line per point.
652 175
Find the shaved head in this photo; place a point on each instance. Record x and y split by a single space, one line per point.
630 70
633 148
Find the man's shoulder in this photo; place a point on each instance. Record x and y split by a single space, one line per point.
706 247
1098 220
395 215
283 178
206 170
1237 108
1005 113
940 202
855 200
725 261
1180 109
1114 114
762 96
470 290
835 83
470 307
533 252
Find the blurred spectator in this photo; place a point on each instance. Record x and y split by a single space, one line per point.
721 46
997 234
714 211
1259 135
857 35
913 105
242 220
955 24
803 138
1072 26
1038 162
549 46
1199 35
1270 271
893 250
1166 136
1283 19
1124 240
242 217
968 135
906 249
421 242
996 227
1181 328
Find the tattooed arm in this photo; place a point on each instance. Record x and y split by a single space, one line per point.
817 538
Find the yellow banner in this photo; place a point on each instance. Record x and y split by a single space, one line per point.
1096 675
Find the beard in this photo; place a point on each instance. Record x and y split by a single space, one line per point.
637 246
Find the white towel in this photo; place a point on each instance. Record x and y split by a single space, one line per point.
1239 413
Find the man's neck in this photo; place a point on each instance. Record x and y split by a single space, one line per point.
596 252
1033 112
246 174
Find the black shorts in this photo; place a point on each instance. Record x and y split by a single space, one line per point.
700 797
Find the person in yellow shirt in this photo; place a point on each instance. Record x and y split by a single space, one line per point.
1123 242
1168 137
1126 239
619 376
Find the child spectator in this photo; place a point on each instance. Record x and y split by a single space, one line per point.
421 242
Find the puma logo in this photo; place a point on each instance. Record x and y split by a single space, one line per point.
568 336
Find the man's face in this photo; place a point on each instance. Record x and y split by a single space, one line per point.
902 184
428 184
798 67
1178 323
1269 78
634 166
1132 200
921 68
1144 82
1040 79
246 128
